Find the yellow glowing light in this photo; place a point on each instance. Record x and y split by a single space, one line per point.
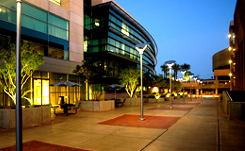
234 49
230 61
230 74
155 90
56 2
230 48
229 35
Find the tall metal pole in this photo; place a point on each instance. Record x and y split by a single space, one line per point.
195 88
18 79
141 85
183 93
170 83
190 89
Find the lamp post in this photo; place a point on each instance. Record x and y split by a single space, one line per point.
140 48
195 78
201 86
170 63
198 81
190 75
183 71
18 79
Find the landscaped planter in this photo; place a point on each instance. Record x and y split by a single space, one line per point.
132 102
168 98
152 100
30 117
97 105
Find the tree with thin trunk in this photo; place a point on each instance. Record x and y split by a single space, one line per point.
165 70
176 68
91 70
30 61
130 79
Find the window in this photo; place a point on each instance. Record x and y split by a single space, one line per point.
125 29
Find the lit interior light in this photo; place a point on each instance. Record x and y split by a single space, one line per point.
230 74
234 49
234 63
230 61
230 48
97 23
229 35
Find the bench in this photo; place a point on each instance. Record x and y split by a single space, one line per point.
119 101
65 108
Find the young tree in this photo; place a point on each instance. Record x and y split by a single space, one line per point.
30 61
129 78
91 70
165 70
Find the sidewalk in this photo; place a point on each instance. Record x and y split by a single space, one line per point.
199 124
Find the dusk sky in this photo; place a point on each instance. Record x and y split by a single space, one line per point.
187 31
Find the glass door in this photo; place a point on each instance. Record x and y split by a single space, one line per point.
45 92
41 92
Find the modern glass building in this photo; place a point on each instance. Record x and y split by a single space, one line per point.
65 32
51 27
111 34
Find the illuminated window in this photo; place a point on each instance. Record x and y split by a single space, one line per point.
125 29
58 2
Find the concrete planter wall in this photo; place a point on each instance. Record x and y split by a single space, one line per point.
97 105
30 117
132 102
152 100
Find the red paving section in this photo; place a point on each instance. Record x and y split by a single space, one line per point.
161 122
174 108
41 146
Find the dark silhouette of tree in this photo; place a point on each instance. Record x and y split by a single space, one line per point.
165 70
176 68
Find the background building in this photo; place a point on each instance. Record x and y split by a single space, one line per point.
237 47
110 35
221 69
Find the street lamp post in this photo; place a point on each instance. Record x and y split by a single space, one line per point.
183 71
190 75
18 79
195 78
170 63
140 48
198 81
201 87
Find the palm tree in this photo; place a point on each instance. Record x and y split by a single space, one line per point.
165 70
176 68
186 67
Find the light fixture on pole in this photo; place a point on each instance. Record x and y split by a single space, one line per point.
195 78
190 75
183 71
170 63
140 48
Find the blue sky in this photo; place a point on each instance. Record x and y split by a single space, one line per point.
187 31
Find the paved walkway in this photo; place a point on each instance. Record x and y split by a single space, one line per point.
202 128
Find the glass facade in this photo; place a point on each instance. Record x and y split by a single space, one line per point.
39 27
110 31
